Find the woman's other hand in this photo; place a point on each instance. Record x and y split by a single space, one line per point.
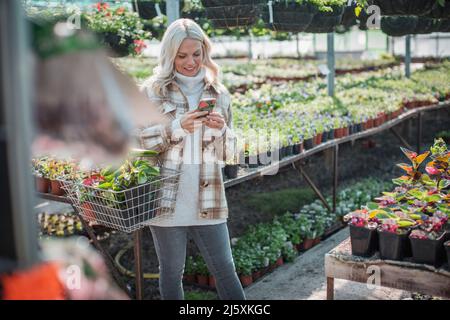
192 119
215 120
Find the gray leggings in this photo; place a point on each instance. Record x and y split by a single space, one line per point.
214 245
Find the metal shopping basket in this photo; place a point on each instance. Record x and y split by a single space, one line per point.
126 210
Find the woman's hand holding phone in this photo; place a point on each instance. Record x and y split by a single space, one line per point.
191 119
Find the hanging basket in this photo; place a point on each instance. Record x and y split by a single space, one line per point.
440 12
115 48
349 17
325 22
148 9
362 19
398 26
232 13
289 17
404 7
444 25
424 25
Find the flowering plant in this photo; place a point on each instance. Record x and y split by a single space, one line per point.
121 22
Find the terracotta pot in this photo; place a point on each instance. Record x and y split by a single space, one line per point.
316 241
318 139
308 244
256 275
203 280
279 261
56 188
42 184
246 280
189 278
272 267
212 281
87 212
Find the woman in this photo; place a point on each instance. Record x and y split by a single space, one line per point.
197 144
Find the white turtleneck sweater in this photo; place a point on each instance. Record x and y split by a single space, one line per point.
187 203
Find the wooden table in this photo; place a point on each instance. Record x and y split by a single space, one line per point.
403 275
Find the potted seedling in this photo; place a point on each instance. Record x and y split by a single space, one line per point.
363 232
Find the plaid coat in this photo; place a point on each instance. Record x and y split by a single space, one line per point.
217 147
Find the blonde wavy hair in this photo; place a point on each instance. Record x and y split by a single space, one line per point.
164 73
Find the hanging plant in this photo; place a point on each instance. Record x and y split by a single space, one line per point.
425 25
398 26
232 13
149 9
291 16
403 7
121 30
326 21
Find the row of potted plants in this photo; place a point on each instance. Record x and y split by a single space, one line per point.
265 246
287 119
413 219
49 171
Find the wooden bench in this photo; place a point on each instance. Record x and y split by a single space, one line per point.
403 275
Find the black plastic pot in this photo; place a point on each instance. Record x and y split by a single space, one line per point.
331 134
404 7
325 22
297 148
324 137
252 161
364 241
231 171
398 26
289 17
309 144
147 9
428 251
394 246
232 13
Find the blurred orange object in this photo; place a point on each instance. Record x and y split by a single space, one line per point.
38 283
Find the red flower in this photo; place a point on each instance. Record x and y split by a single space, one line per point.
102 6
120 10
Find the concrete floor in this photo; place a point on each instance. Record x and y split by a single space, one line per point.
304 279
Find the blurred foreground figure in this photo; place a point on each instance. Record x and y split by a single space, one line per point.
74 271
84 106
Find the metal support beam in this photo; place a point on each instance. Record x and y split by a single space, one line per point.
138 263
18 232
408 56
402 140
335 175
313 186
419 131
173 10
331 63
437 45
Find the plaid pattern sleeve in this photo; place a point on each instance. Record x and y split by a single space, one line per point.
160 137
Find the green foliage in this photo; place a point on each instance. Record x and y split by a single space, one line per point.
200 295
279 202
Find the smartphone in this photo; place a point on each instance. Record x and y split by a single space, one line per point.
207 104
